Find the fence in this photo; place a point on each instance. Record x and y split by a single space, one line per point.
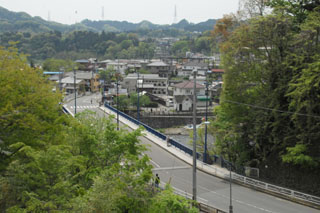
310 200
288 193
154 132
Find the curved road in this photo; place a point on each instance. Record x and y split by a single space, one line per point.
210 189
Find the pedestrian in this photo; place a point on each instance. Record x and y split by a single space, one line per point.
157 181
91 101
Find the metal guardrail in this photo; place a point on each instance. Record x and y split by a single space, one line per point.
154 132
277 189
67 111
201 203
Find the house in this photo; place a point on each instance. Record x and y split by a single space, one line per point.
70 85
159 67
118 66
188 67
55 77
91 80
183 95
217 74
151 83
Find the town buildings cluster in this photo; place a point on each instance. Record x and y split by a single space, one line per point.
169 81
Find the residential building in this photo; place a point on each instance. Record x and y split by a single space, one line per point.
151 83
159 67
91 80
188 67
69 85
183 95
217 74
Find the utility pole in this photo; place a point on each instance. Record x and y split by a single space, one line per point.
138 104
118 96
206 122
194 153
230 180
60 78
75 91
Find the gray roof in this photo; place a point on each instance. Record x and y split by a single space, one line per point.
187 85
157 64
69 80
196 64
145 76
82 75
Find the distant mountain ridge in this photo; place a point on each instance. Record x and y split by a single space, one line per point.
23 22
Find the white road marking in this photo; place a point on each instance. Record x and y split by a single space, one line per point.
157 165
171 168
85 107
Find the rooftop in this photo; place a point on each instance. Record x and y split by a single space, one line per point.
218 70
158 64
188 85
145 76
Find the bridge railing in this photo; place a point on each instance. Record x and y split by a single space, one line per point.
154 132
277 189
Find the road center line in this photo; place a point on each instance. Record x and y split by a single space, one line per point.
171 168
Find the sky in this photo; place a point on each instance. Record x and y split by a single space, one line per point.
155 11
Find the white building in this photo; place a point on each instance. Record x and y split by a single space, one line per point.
187 68
151 83
183 95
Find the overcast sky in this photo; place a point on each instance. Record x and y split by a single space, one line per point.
156 11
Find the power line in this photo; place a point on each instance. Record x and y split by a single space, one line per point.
271 109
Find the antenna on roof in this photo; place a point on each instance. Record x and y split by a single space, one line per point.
102 13
175 14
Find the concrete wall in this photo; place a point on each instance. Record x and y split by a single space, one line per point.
161 122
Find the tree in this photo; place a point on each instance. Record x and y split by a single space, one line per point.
123 102
143 100
167 201
269 105
32 135
252 8
29 111
52 64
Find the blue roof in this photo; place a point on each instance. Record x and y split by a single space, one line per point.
82 61
51 73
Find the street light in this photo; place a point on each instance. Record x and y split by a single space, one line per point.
75 91
230 180
206 122
194 153
138 107
117 95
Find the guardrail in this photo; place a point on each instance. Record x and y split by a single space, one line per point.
67 111
154 132
288 193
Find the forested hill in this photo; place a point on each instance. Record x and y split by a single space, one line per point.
23 22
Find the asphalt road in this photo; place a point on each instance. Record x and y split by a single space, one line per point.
210 189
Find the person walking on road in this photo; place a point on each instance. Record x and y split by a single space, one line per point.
91 101
157 181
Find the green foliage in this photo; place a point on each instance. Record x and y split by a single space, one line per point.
296 156
53 163
122 102
167 201
143 100
58 64
29 111
270 91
